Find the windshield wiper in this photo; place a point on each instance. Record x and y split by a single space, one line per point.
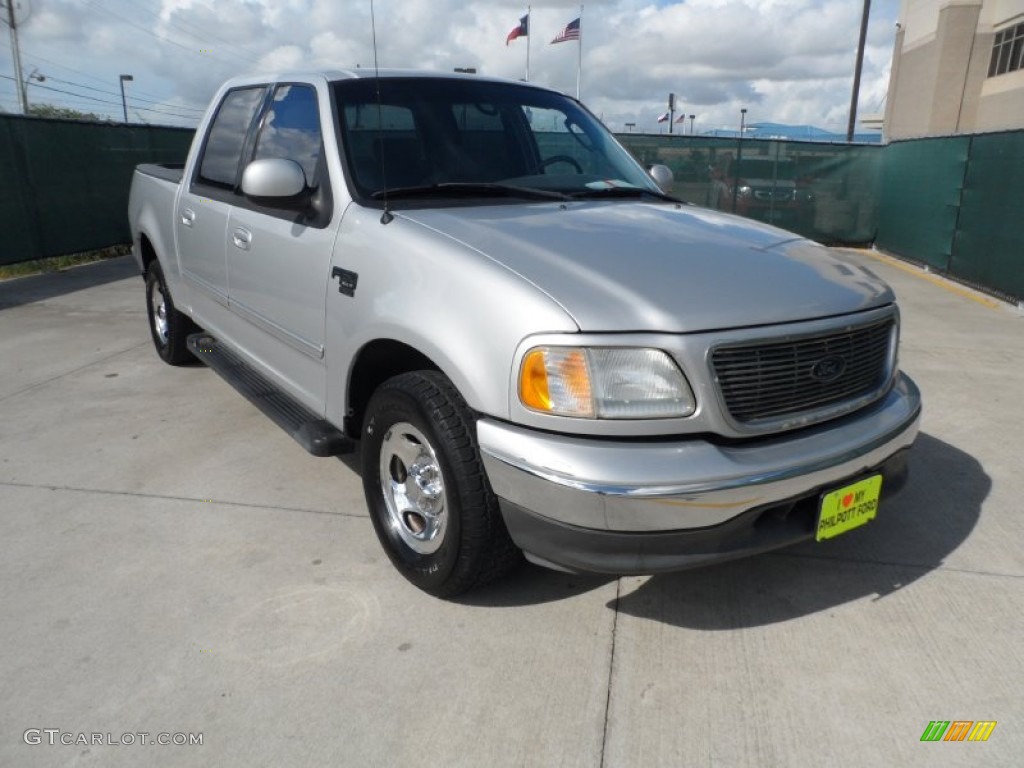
456 189
621 192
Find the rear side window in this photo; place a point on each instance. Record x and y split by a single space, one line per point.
378 117
223 151
291 129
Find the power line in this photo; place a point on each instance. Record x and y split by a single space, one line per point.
137 95
134 97
150 32
201 35
36 57
83 97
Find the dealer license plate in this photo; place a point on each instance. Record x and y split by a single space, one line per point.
848 507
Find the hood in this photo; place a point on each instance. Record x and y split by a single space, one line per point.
632 266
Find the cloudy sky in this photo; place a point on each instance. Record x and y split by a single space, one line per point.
788 61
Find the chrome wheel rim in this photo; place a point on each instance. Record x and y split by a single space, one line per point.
413 487
159 306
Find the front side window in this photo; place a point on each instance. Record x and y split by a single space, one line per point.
223 150
291 129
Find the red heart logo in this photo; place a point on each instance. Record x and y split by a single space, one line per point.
847 499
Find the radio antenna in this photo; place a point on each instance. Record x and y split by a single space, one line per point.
386 217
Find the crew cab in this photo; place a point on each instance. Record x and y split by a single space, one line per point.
534 349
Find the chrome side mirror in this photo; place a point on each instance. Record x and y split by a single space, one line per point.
663 177
275 181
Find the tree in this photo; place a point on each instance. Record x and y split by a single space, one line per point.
63 113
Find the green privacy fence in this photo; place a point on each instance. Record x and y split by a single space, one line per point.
954 203
64 184
825 191
951 202
989 247
920 198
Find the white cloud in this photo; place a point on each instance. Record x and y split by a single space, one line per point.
785 60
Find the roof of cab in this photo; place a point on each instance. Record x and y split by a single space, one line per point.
335 75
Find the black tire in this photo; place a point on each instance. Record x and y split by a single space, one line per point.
168 327
470 545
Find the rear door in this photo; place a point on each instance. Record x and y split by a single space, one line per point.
204 205
278 261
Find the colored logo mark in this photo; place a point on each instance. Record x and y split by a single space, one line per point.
958 730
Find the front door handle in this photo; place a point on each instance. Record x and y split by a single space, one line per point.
188 216
241 238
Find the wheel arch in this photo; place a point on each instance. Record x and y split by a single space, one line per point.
147 253
376 362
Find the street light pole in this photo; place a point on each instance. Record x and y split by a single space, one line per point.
124 101
28 81
691 124
739 156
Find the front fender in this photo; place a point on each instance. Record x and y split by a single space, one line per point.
448 301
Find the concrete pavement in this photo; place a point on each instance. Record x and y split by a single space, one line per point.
173 563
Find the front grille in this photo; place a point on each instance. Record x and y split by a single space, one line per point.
774 194
777 380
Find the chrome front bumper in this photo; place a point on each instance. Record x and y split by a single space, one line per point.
686 485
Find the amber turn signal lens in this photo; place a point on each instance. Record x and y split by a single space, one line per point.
533 382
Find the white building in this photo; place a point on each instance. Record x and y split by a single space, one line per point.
957 67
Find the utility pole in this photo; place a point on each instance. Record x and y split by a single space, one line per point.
671 111
20 84
856 70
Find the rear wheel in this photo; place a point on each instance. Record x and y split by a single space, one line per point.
431 505
168 327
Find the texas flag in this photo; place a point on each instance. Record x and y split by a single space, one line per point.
663 118
523 30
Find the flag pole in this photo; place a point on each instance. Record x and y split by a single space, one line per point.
529 23
579 60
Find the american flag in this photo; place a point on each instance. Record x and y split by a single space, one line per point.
571 32
523 30
681 119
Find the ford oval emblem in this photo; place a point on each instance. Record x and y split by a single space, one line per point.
828 369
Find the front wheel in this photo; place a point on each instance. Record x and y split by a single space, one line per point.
429 499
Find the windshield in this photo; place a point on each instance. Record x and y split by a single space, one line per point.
431 135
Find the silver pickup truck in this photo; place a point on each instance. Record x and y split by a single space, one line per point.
535 348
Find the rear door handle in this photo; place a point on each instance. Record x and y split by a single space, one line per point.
188 216
241 238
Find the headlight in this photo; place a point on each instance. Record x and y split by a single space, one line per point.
744 190
604 383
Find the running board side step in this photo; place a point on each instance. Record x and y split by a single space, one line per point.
314 434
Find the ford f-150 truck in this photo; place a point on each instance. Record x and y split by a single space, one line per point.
534 347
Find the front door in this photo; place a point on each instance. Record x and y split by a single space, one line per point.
278 261
204 206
